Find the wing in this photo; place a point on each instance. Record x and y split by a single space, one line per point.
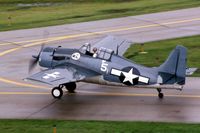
112 42
59 76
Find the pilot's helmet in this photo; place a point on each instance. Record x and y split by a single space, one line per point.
94 49
84 48
87 43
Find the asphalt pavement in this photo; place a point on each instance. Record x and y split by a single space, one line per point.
25 100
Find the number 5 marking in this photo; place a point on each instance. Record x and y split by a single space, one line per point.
104 66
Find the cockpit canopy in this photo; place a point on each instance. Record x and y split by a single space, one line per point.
102 53
105 53
85 48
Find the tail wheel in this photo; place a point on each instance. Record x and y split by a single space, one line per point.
160 95
57 92
70 87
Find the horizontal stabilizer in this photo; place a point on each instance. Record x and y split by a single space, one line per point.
190 71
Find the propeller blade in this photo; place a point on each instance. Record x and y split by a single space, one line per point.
41 49
33 62
35 56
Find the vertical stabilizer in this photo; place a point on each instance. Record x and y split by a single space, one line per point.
173 70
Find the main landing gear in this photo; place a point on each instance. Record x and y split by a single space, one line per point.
57 92
70 87
160 94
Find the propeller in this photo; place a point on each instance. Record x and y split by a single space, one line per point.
35 58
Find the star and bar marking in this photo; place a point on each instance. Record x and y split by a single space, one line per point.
129 76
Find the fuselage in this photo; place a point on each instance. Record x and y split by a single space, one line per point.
111 68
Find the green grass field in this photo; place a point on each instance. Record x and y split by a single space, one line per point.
20 14
158 52
46 126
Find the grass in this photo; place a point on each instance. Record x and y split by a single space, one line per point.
158 52
20 14
64 126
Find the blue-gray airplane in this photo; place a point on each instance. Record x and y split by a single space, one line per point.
106 65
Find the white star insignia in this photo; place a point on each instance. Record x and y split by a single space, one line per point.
51 75
129 76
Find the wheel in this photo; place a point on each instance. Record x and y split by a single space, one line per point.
57 92
160 95
70 87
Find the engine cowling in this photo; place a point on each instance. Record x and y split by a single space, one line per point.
46 56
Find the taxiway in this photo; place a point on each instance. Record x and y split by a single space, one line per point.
23 100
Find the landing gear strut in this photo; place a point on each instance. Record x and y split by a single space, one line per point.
160 94
70 87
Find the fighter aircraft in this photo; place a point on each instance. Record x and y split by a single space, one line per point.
106 65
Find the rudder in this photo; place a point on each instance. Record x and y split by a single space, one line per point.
174 68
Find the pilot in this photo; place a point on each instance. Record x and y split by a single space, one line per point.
87 44
95 50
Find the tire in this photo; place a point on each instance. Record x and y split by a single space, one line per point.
70 87
57 92
160 95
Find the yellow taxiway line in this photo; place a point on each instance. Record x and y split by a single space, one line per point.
24 93
107 31
20 42
21 84
98 32
135 94
101 94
